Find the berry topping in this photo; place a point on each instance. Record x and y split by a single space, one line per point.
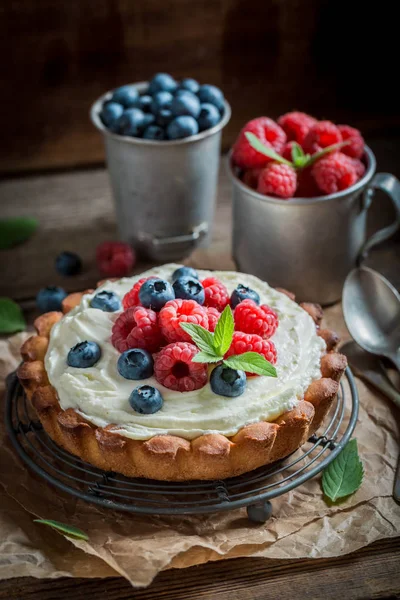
137 327
184 272
110 113
182 127
107 301
268 132
356 147
251 342
243 293
135 363
213 316
131 298
209 116
50 298
229 382
185 103
251 318
173 368
334 172
216 294
115 259
155 293
296 125
131 122
146 400
68 263
84 355
321 135
189 288
277 179
180 311
250 178
210 94
189 84
162 82
125 95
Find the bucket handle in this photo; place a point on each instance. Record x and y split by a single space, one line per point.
195 236
391 186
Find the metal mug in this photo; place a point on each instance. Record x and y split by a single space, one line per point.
164 191
309 245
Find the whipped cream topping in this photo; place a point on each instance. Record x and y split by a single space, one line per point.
101 395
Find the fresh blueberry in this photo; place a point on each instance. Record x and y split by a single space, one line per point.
50 298
154 293
148 120
209 116
182 127
225 381
146 400
107 301
161 100
185 104
189 84
135 364
162 82
130 122
189 288
145 103
164 117
84 355
110 113
154 132
68 263
243 293
184 272
125 95
210 94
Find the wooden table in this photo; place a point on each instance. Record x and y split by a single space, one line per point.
75 213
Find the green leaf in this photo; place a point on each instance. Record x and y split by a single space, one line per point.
11 317
259 146
16 230
311 159
297 153
224 331
203 339
252 362
206 357
67 530
344 474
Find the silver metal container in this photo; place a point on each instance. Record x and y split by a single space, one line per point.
164 192
308 245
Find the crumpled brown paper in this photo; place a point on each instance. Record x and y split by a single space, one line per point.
137 548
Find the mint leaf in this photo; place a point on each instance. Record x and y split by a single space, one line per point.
224 331
203 339
311 159
252 362
259 146
11 317
67 530
344 474
16 230
206 357
297 153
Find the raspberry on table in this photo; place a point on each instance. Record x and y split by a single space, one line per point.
277 179
268 132
356 147
173 368
137 327
251 342
216 294
334 173
180 311
213 316
250 177
321 135
131 298
115 259
251 318
296 125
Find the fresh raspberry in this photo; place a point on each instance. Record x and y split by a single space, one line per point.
334 173
251 342
321 135
181 311
306 185
137 327
251 318
216 294
131 298
277 180
250 178
115 259
296 125
287 151
356 147
173 368
358 165
213 316
268 132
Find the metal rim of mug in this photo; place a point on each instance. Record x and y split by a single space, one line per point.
365 179
141 86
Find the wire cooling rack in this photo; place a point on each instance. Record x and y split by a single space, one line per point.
112 490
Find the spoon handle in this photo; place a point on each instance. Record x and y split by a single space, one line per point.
395 358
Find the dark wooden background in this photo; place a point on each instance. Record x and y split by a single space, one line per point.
333 58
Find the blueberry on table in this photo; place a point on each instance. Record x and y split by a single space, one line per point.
135 364
110 113
162 82
50 298
243 292
189 84
185 103
146 400
84 355
184 272
68 263
164 117
189 288
161 100
154 132
106 301
210 94
155 293
209 116
130 122
229 382
125 95
182 127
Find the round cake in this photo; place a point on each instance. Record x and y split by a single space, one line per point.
115 379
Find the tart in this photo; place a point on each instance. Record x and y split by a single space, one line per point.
196 434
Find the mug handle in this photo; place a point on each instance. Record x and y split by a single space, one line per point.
391 186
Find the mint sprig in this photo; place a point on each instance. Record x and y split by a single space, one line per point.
344 475
259 146
68 530
16 230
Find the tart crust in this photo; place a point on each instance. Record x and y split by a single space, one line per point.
168 457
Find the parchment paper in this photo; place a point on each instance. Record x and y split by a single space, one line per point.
137 548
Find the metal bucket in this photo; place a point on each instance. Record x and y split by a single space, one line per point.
164 192
308 245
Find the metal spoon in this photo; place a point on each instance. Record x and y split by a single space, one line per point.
371 307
